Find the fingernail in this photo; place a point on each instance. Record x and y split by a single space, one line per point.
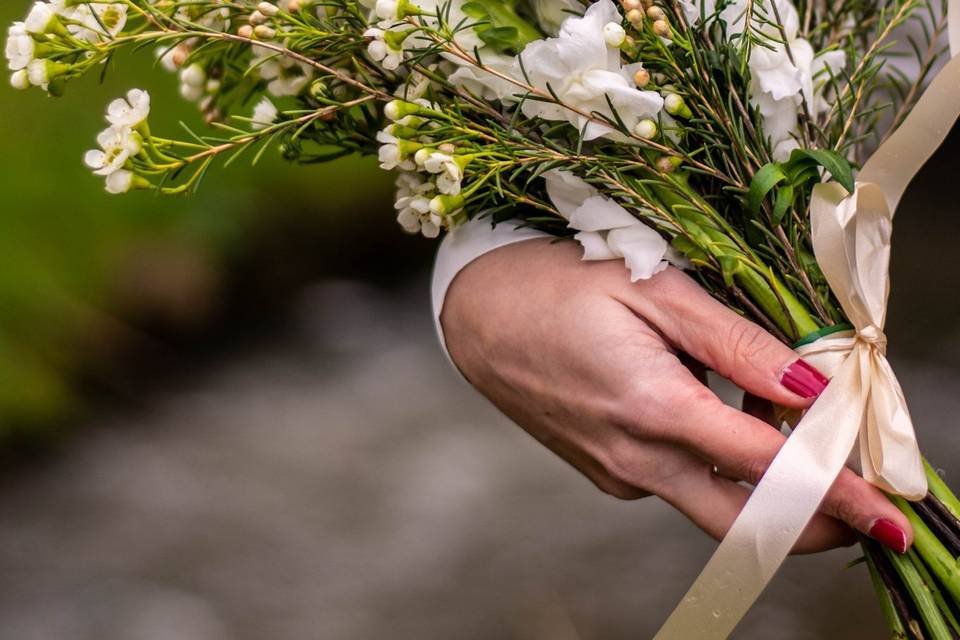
889 535
803 380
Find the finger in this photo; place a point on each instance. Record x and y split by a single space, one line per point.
713 504
733 346
744 447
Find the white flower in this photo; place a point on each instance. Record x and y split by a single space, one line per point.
780 86
607 230
41 71
19 48
614 34
117 145
194 75
388 9
167 57
413 205
91 19
41 19
448 171
264 115
392 153
385 47
20 80
487 85
552 13
284 76
120 181
131 111
584 73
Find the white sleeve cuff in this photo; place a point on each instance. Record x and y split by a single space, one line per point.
463 245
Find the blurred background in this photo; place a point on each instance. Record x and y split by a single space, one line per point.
226 416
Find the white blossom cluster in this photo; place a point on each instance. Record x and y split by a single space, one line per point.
431 173
582 66
31 42
122 141
788 76
282 75
393 38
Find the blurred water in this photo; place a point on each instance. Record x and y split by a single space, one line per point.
341 483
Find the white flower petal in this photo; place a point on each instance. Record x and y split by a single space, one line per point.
567 191
595 246
642 248
599 213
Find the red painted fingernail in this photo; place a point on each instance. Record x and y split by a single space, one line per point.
889 535
803 380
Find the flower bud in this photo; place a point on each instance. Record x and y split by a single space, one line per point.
668 164
646 129
190 92
677 106
446 204
630 5
319 89
43 19
42 71
662 28
180 54
256 18
641 78
656 13
635 17
294 6
245 31
397 109
194 75
265 32
20 80
421 156
268 9
614 35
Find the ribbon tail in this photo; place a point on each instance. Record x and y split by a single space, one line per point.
772 521
889 453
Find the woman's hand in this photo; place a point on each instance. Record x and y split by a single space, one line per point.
605 373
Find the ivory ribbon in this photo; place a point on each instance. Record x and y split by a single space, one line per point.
864 402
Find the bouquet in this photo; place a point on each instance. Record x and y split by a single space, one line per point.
720 136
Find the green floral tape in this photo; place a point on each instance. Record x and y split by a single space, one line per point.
822 333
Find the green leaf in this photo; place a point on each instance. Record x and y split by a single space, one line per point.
784 201
767 178
475 10
834 163
500 38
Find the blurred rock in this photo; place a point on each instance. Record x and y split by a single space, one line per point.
342 483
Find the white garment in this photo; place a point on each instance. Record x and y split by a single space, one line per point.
463 245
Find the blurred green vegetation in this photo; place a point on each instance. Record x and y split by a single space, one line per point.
77 265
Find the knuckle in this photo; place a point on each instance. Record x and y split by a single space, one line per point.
753 469
843 508
750 343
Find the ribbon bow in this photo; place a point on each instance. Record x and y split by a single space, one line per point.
851 238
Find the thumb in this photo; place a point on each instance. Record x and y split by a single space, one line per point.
731 345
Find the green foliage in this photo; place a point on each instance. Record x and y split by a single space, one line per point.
499 25
782 183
